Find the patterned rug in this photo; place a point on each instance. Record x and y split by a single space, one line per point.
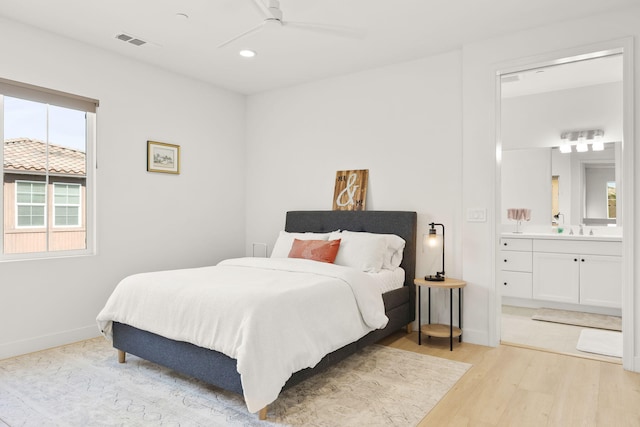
588 320
83 385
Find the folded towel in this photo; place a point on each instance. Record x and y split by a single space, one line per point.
519 214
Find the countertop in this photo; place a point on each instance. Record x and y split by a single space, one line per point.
563 236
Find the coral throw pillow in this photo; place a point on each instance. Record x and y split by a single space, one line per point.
316 250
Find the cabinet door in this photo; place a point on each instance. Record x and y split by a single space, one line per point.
556 277
601 280
515 284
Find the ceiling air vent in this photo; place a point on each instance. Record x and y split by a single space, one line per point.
510 78
130 39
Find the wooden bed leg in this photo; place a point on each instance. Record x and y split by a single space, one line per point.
262 414
409 327
121 356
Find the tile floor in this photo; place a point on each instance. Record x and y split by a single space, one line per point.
518 328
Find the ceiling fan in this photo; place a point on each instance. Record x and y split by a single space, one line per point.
272 15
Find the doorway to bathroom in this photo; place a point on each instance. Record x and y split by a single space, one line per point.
560 160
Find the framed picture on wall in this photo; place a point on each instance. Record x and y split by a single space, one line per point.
350 193
162 157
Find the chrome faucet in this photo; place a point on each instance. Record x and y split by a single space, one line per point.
557 216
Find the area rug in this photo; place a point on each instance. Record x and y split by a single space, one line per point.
597 341
83 385
588 320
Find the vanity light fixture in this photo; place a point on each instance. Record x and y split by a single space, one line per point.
582 146
432 241
581 139
565 147
598 143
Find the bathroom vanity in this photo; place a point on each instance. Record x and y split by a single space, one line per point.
577 271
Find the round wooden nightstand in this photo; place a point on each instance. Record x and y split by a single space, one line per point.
440 330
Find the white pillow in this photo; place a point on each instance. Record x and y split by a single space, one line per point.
285 239
395 250
362 251
369 252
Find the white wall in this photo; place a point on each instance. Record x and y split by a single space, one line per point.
539 120
402 122
145 221
481 60
526 183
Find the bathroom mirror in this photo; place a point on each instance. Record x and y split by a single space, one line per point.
574 100
583 186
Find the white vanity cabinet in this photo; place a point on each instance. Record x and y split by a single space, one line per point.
578 272
557 277
516 267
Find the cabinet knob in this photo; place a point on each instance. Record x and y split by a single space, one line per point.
505 283
505 260
582 260
505 244
575 260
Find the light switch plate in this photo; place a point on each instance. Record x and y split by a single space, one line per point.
476 215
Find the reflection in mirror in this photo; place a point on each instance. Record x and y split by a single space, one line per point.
573 103
584 186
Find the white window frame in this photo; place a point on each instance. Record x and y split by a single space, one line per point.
67 205
18 204
53 97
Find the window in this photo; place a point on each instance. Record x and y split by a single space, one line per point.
66 205
30 203
611 199
47 185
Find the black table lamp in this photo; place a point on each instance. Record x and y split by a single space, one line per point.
432 241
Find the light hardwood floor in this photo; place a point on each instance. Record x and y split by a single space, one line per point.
513 386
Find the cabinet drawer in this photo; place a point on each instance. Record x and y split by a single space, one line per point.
516 261
516 284
507 244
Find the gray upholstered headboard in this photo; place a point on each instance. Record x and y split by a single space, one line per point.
401 223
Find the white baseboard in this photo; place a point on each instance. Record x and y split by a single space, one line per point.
30 345
475 336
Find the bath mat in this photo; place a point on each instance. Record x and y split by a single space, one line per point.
607 343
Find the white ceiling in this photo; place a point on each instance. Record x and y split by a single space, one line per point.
393 31
590 72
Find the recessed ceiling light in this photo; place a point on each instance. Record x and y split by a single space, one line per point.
246 53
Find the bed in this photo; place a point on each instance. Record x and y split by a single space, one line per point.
218 369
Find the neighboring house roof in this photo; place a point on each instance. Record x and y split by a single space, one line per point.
25 154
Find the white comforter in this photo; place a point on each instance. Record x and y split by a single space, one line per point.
274 316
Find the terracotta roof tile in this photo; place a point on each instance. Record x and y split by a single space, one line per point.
24 154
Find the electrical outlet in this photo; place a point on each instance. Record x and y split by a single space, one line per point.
476 215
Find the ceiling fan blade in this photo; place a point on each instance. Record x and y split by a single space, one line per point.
239 36
261 8
336 30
